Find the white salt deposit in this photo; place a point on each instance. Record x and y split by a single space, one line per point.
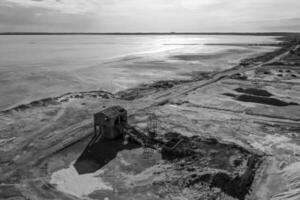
69 181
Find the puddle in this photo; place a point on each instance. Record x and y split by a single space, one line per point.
98 155
255 92
264 100
230 95
260 100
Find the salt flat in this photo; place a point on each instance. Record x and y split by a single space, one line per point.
36 67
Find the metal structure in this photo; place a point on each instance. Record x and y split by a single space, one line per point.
109 123
152 125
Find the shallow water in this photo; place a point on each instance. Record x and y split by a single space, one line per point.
35 67
265 100
254 91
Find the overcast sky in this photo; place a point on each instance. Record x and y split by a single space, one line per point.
149 15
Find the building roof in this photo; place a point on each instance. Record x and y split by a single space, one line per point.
112 112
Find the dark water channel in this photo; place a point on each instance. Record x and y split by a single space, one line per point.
258 96
264 100
254 91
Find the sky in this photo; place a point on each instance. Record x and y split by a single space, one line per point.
149 15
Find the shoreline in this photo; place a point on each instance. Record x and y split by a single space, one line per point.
51 78
143 88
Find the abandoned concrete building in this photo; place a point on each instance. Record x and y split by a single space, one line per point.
110 123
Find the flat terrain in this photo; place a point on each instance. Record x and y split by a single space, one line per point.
34 67
241 126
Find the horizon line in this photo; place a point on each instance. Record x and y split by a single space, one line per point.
147 33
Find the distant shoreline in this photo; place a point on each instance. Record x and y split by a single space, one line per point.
153 33
141 89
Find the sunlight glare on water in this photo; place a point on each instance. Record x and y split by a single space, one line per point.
40 66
